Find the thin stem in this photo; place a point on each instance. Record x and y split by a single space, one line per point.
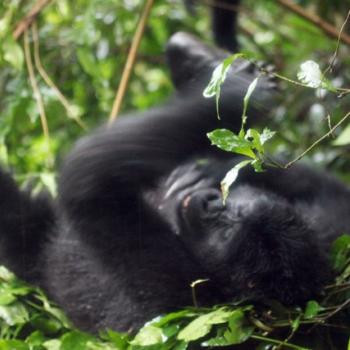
130 61
326 27
330 132
49 81
25 23
36 91
331 63
278 342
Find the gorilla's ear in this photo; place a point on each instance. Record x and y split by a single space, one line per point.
189 58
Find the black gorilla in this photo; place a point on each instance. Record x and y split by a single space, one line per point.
140 215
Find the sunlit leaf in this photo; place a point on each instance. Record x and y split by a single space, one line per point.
13 53
312 309
217 79
14 314
246 99
231 177
230 142
310 74
343 138
202 325
148 335
13 345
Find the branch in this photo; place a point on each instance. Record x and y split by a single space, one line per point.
329 133
130 61
36 91
41 70
326 27
23 25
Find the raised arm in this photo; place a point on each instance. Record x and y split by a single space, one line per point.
118 160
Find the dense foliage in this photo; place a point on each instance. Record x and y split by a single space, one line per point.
82 47
28 321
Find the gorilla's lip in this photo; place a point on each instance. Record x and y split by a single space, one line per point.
186 201
186 211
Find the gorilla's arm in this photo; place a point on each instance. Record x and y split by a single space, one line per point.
110 168
224 22
25 222
116 163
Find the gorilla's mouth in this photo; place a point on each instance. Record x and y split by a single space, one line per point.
200 207
186 201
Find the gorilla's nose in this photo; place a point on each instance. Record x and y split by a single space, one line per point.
203 203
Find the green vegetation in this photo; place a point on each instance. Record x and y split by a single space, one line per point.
28 321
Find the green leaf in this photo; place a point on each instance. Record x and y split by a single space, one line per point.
75 341
218 76
312 309
51 310
229 142
237 332
46 325
343 138
13 53
13 345
246 99
173 317
14 314
54 344
310 74
231 177
35 339
6 297
6 275
296 323
266 135
257 165
202 325
88 61
255 137
49 180
340 251
119 340
148 335
217 79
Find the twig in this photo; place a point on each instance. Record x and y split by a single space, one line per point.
193 289
331 62
25 23
329 133
48 80
278 342
130 61
326 27
35 87
339 308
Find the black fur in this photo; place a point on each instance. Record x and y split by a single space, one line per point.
140 216
224 21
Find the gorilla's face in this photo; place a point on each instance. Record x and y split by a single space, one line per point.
256 245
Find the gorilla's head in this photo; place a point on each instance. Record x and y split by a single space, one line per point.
192 63
256 245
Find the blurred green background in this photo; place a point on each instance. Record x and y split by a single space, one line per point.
82 45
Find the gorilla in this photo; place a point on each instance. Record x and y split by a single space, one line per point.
140 216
